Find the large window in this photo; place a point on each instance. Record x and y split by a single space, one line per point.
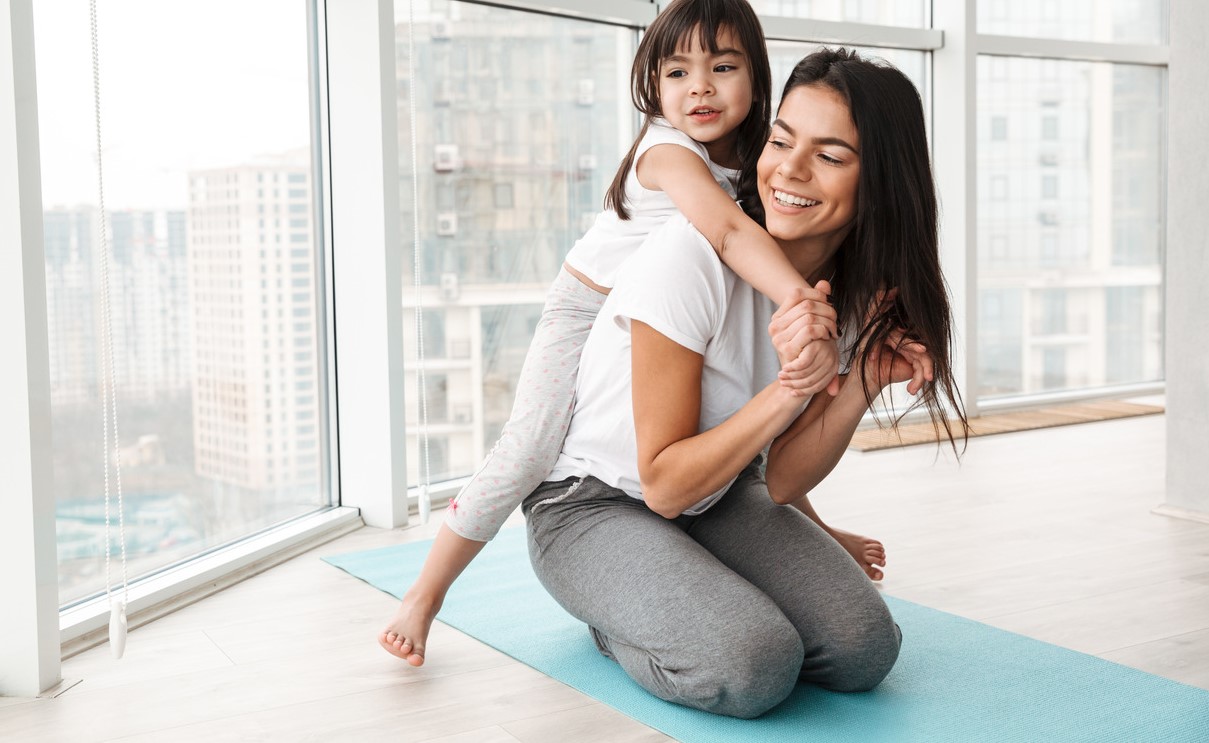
1070 224
521 120
209 198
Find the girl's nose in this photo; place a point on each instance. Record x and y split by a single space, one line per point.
703 85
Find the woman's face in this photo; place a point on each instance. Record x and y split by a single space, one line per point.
808 172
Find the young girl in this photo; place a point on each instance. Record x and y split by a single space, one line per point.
701 78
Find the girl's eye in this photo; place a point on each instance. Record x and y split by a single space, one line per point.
677 73
725 68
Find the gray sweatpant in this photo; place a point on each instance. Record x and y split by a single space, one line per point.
724 611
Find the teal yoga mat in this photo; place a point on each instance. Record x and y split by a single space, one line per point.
955 680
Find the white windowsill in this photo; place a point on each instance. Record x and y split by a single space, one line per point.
87 624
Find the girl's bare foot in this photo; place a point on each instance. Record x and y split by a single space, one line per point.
407 632
868 553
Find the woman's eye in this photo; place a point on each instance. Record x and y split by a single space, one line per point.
778 144
829 159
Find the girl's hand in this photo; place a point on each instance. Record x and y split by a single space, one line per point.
814 370
806 316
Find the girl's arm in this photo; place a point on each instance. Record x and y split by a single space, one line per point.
677 465
742 244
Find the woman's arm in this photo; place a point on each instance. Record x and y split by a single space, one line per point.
800 458
677 465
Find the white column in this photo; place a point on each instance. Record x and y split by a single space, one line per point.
1187 264
29 579
367 259
954 161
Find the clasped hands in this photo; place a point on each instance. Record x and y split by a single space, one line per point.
804 332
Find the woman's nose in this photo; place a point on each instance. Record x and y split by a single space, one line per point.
794 166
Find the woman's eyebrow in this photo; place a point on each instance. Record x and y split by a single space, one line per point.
817 140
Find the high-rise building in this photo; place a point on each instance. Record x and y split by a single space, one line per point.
521 120
252 277
149 312
70 236
150 298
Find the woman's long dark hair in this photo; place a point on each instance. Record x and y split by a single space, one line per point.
670 30
894 241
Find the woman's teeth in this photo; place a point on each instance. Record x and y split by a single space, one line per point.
791 200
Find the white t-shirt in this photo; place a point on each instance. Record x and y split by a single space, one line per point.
605 246
678 286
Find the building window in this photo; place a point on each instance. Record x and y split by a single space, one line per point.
999 125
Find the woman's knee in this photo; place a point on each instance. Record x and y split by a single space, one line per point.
750 671
858 660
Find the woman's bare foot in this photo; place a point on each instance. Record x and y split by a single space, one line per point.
406 634
868 553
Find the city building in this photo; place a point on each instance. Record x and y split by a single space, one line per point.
252 277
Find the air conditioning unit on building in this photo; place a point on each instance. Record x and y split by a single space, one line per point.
450 290
1047 217
463 414
441 28
587 162
445 158
447 224
1048 158
585 92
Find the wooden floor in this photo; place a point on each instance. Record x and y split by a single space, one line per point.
1047 533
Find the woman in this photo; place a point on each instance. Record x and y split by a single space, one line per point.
657 528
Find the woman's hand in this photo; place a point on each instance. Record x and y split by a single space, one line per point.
803 331
897 358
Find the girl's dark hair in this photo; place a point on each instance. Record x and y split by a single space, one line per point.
894 241
670 30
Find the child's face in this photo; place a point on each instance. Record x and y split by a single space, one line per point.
808 173
707 96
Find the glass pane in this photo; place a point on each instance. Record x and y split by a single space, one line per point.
1070 225
784 55
1121 21
215 311
521 120
908 13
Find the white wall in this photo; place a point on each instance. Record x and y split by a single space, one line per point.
1187 307
29 580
